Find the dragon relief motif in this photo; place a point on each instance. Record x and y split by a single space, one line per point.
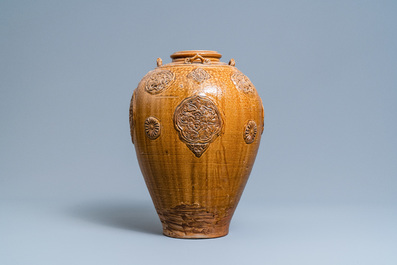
159 81
198 122
243 83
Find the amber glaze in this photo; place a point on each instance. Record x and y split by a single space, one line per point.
196 124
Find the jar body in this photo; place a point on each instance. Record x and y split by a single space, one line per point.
196 126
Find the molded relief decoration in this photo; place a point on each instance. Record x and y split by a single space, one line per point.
198 122
190 219
131 116
243 83
152 128
159 81
250 132
199 75
263 119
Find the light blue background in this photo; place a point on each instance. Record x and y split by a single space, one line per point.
322 191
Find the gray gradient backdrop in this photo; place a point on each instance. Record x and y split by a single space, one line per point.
322 191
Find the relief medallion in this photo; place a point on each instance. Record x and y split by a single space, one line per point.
198 122
159 81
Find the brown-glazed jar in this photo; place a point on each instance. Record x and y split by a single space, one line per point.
196 124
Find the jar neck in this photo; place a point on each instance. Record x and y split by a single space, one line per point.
196 56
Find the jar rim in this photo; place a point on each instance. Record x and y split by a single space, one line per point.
191 53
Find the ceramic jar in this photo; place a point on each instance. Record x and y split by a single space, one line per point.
196 124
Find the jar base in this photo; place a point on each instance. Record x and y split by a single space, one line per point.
189 235
194 221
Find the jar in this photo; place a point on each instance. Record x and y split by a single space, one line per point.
196 124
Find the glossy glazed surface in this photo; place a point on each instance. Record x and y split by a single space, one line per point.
196 124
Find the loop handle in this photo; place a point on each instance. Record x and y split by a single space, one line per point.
159 62
199 57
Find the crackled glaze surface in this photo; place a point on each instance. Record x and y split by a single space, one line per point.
196 138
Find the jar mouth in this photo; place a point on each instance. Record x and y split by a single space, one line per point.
182 55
